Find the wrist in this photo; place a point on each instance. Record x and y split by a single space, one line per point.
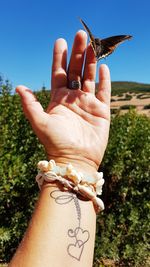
80 164
84 184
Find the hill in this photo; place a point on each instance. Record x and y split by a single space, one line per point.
120 87
131 87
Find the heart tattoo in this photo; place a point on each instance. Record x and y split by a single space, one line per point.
79 236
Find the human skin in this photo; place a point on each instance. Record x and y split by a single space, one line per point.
75 129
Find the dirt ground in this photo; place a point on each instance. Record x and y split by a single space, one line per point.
138 100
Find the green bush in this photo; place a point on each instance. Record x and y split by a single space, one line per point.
147 106
143 96
123 228
127 97
115 111
19 153
128 107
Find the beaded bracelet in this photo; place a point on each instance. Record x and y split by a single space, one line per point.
72 180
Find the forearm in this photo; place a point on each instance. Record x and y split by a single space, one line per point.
61 232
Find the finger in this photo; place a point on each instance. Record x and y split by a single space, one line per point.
31 107
89 71
77 56
104 88
59 76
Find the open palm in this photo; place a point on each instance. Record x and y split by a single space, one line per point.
75 126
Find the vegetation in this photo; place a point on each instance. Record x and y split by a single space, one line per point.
128 107
147 106
115 111
123 228
119 88
127 97
126 87
143 96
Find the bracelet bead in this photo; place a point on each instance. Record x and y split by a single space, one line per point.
72 180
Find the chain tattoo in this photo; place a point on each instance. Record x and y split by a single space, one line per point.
79 237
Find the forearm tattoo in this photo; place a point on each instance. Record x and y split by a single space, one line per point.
79 237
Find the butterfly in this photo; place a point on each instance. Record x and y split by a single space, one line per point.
104 47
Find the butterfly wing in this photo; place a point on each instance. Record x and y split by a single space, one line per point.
92 39
108 45
104 47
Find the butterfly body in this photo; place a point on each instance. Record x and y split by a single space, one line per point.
104 47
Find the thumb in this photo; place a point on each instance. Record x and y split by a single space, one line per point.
31 107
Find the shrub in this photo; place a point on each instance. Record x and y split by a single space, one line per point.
113 100
147 106
143 96
19 153
127 97
127 107
115 111
123 228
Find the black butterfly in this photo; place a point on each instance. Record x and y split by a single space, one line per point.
104 47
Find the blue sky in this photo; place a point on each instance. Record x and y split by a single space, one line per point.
28 30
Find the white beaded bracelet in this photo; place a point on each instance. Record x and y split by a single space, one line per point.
72 180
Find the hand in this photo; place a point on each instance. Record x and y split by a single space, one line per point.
75 127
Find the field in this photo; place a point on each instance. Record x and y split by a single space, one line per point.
126 101
130 95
